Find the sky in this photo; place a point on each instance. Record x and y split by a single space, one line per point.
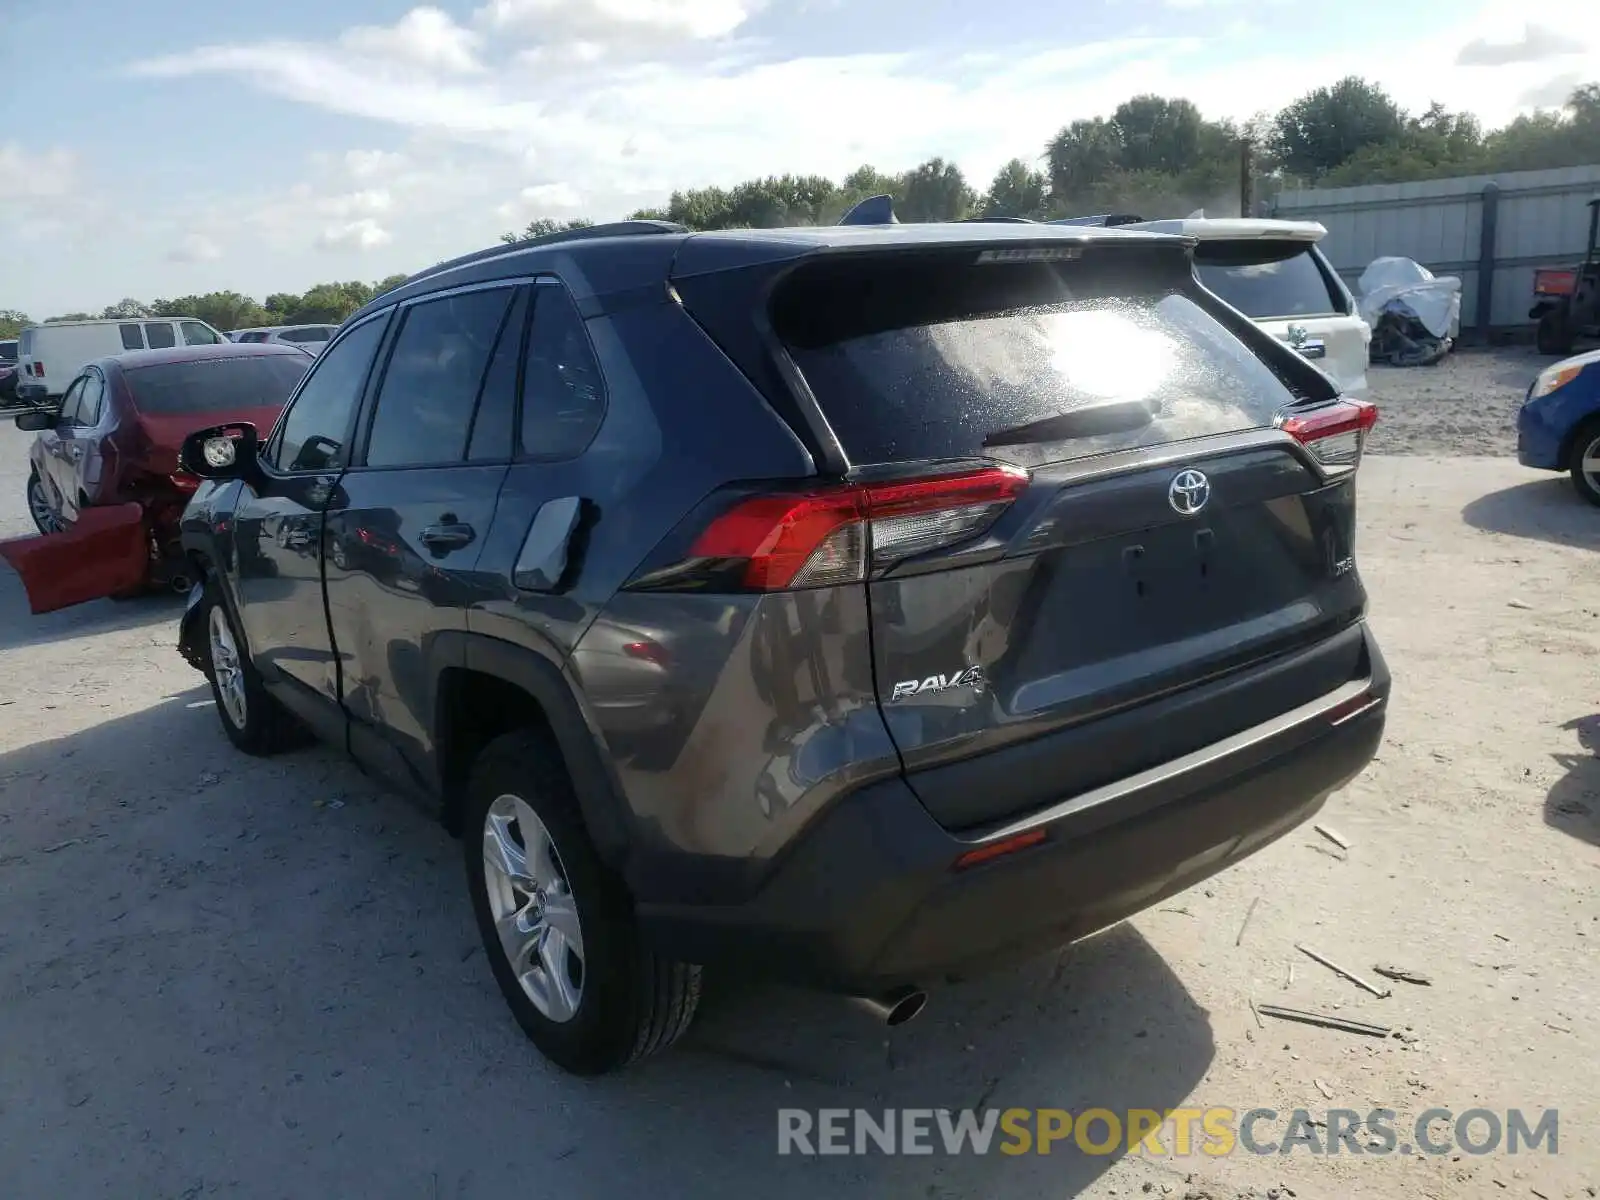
167 148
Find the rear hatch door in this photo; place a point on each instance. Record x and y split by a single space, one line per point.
1176 567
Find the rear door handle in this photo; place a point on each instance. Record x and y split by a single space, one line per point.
448 535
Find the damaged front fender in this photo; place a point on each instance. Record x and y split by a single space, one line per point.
105 553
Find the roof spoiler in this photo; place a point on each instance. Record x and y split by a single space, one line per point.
1103 220
874 210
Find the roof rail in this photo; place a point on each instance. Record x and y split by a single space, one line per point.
583 233
1000 220
874 210
1106 220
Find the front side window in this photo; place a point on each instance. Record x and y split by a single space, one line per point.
196 334
315 432
160 335
563 393
90 400
132 337
69 401
424 407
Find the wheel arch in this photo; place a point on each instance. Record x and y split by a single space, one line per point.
1590 425
493 687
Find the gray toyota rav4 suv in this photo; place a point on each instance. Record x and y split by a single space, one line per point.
852 605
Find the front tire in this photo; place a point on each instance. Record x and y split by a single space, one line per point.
557 925
46 517
253 720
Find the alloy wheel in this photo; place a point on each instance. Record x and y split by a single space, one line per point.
227 669
43 512
1590 465
534 911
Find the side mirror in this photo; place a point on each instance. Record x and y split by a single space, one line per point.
38 420
222 452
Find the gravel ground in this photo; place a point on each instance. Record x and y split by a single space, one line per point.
216 981
1465 405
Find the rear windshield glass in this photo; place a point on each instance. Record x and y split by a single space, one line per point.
908 366
8 351
216 384
1272 279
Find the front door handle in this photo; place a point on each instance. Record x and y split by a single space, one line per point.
447 536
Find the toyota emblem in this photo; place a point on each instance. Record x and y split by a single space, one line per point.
1188 492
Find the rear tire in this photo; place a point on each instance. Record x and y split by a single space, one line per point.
1554 334
253 720
609 1002
1586 448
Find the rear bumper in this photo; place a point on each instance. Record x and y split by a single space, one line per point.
868 897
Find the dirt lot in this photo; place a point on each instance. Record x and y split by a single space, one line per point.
226 977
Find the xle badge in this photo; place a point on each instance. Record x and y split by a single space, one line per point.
934 685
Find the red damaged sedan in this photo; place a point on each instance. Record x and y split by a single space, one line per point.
104 486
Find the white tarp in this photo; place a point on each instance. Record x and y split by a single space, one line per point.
1409 287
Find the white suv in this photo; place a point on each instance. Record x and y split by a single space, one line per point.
310 338
1273 272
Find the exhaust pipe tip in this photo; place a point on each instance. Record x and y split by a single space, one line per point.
181 584
893 1008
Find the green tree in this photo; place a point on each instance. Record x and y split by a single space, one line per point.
1083 154
124 309
542 226
1158 134
71 316
1325 127
1017 191
12 322
936 191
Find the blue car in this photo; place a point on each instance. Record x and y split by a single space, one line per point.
1558 428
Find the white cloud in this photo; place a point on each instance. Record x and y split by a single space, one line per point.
373 164
617 20
365 234
195 248
1536 43
30 176
369 202
424 37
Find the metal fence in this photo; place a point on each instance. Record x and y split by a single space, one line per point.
1490 230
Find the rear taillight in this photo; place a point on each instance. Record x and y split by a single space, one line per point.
1335 434
838 535
184 481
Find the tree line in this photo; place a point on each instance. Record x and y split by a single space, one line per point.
1154 155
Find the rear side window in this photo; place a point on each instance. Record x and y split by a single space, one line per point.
132 338
931 360
425 404
254 335
196 334
160 336
1268 279
563 397
215 384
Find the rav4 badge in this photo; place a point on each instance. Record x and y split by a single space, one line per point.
971 677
